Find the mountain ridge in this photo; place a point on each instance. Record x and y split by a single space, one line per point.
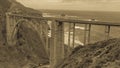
17 8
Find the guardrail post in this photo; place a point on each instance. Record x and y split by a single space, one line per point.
57 43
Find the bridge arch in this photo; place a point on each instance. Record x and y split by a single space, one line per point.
17 26
38 25
31 24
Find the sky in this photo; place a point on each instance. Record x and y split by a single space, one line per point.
92 5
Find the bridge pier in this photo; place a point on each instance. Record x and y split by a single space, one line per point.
9 29
107 32
87 33
57 44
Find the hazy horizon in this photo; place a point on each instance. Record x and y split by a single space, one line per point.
89 5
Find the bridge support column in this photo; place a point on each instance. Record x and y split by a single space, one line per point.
10 24
8 29
73 35
87 34
107 32
57 44
69 38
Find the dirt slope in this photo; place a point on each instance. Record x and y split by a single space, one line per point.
29 50
104 54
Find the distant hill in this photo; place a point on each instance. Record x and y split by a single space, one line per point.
15 7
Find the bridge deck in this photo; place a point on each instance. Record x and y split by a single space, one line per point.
71 20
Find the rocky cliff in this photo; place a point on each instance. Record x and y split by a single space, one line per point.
29 50
104 54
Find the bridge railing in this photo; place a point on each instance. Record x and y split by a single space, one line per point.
62 34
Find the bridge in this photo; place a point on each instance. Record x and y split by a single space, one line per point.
40 24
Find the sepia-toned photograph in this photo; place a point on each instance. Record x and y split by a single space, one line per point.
59 33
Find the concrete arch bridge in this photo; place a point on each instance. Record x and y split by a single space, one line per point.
57 27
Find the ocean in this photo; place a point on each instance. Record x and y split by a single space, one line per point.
97 32
108 16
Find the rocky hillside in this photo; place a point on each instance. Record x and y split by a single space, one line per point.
15 7
27 53
18 8
4 5
104 54
29 50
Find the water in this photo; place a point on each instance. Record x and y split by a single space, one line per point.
98 15
77 41
97 32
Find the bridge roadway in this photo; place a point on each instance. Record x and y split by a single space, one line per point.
60 19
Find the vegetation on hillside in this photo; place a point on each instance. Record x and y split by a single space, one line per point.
104 54
18 8
29 50
4 5
15 7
